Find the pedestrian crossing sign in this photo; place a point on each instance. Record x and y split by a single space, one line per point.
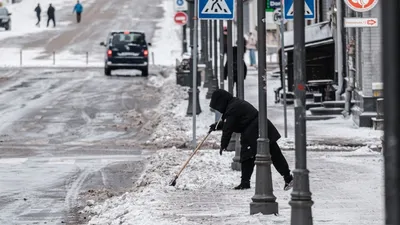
216 9
309 9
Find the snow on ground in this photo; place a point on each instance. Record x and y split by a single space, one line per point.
203 193
167 39
24 17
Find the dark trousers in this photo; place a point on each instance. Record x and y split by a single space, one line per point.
78 17
278 160
52 19
38 20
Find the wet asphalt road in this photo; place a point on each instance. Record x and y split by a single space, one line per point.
61 140
64 132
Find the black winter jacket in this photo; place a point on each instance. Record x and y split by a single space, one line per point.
237 117
51 11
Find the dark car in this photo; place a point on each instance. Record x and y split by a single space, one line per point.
126 50
5 19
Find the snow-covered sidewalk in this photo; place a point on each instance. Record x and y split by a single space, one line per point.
346 188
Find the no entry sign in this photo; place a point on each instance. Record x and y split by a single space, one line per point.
181 18
361 5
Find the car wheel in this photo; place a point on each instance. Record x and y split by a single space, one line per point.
107 71
7 26
145 72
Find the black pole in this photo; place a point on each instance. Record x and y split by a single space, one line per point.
391 70
229 53
191 23
213 82
184 39
216 70
263 200
240 50
301 196
204 35
221 54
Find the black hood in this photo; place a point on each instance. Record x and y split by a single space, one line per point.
220 99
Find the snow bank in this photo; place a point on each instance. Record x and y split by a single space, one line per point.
173 128
149 203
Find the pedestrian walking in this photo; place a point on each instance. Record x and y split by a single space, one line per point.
51 15
78 9
38 11
251 46
239 116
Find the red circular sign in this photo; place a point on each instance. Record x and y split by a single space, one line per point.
181 18
361 5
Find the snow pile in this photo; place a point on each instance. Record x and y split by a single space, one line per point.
173 126
150 202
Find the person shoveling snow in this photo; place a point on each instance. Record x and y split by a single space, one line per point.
239 116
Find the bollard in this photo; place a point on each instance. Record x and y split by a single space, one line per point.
152 58
20 57
189 111
54 58
87 58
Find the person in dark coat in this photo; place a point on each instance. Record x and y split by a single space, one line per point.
235 71
51 15
38 11
239 116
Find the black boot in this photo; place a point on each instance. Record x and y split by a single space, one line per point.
243 185
288 182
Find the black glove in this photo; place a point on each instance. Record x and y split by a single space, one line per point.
213 127
221 150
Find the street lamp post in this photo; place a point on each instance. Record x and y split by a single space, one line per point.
391 70
263 200
301 196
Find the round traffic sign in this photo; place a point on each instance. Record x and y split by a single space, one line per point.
181 18
179 2
361 5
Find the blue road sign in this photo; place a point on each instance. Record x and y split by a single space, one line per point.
216 10
309 9
179 2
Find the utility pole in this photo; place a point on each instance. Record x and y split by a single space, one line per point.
301 196
263 200
391 70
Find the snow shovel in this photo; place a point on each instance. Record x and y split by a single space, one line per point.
173 181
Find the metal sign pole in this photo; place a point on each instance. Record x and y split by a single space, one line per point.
194 96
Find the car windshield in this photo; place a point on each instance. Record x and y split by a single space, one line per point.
130 38
3 11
